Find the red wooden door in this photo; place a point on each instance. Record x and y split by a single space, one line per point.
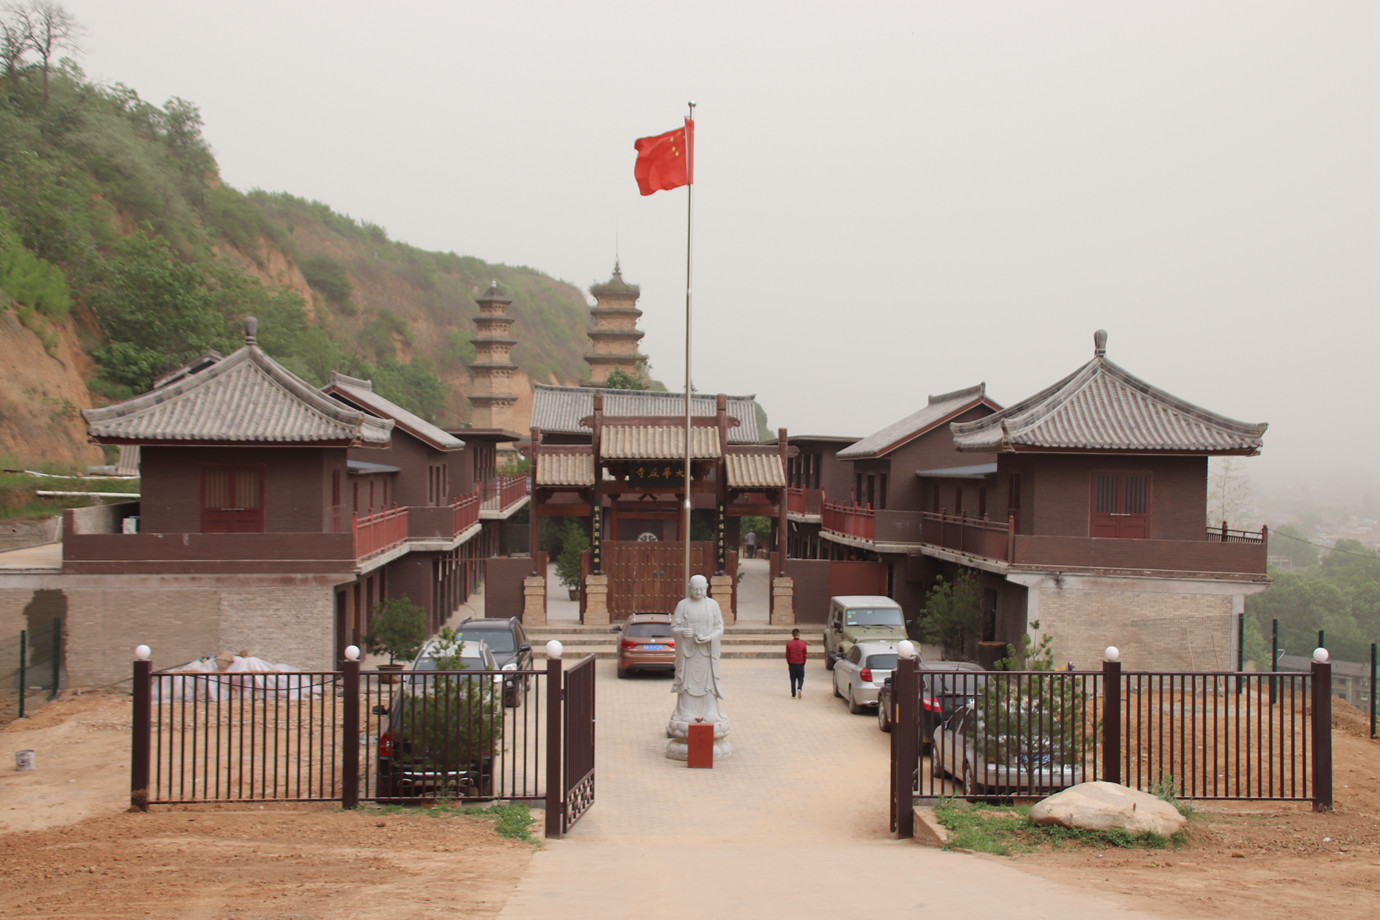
232 499
1120 506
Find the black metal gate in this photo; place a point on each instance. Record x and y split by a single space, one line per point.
349 735
1206 735
570 759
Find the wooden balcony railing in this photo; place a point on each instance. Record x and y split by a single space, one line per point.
850 520
976 536
377 532
804 501
502 493
465 511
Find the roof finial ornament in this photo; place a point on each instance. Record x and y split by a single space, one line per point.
251 330
1100 343
617 268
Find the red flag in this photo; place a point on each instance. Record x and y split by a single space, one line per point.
665 161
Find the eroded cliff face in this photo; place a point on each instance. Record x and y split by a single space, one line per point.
42 398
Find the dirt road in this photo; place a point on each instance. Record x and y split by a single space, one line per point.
68 848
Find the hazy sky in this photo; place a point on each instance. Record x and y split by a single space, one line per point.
901 199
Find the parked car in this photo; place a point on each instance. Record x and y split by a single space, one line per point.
1008 763
945 687
508 641
646 644
860 618
860 673
443 727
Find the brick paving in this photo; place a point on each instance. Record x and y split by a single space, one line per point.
793 824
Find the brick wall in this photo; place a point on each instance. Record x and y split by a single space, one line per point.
285 622
1156 631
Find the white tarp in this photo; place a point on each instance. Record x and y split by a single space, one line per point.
242 678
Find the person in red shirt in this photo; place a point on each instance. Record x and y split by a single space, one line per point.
796 653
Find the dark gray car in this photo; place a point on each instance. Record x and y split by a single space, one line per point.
508 641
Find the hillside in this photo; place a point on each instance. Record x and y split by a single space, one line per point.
123 256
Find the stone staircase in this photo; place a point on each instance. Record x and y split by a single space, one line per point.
742 640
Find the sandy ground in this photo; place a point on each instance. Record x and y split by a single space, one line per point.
69 848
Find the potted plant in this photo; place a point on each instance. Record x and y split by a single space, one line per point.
397 628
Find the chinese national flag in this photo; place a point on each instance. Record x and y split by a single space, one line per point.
665 161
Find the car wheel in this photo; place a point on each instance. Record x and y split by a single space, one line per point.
883 722
853 706
970 785
622 672
936 768
828 661
835 684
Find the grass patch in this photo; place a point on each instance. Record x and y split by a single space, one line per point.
1006 830
511 820
19 501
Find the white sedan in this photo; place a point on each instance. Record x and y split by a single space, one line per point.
858 675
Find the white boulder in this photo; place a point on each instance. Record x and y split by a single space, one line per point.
1102 806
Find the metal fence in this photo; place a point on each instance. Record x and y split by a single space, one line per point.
30 670
1201 735
351 735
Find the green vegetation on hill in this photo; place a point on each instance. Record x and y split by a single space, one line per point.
112 208
1340 596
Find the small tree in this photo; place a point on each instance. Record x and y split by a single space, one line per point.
397 627
1034 717
568 563
454 720
953 613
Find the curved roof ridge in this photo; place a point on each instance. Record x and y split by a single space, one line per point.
1103 406
224 402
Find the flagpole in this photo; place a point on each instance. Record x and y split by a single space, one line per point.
689 265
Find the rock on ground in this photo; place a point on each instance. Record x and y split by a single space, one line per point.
1103 806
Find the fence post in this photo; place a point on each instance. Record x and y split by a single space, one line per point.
57 657
1322 732
349 748
23 667
905 696
1373 689
1274 661
555 729
141 741
1111 717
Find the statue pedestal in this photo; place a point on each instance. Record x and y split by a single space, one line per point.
534 601
678 748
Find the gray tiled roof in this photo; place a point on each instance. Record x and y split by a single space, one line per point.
657 442
758 469
938 410
361 393
1103 407
558 410
565 468
247 398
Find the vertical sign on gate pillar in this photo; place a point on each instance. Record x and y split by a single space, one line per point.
721 549
596 540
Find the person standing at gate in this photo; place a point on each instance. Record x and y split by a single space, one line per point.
796 653
751 543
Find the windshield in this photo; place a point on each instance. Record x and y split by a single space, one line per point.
882 662
467 663
648 630
873 616
498 640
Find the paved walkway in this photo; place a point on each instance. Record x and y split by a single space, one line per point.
794 824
